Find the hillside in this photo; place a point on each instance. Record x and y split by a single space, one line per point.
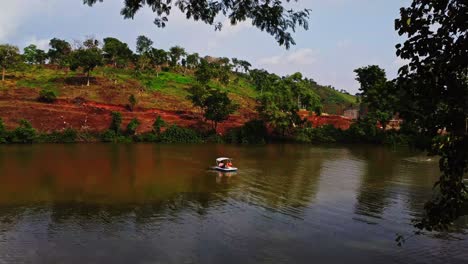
83 107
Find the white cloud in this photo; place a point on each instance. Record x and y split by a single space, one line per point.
42 44
304 56
12 14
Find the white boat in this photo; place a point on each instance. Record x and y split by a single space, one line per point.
224 164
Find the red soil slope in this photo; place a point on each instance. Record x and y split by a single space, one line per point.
337 121
92 116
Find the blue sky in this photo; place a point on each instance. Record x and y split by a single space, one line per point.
343 35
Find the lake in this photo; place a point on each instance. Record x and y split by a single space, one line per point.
145 203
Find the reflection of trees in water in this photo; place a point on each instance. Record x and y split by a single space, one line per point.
374 194
283 178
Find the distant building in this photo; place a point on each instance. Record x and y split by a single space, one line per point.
351 113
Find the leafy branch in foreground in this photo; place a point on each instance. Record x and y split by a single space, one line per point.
270 16
433 89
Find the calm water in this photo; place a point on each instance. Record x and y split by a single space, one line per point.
159 204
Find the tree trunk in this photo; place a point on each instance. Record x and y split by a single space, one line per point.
88 76
3 74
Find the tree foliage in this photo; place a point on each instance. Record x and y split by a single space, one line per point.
132 127
143 44
282 99
218 107
132 101
116 122
59 51
9 57
33 55
377 93
176 53
270 16
116 52
87 57
433 88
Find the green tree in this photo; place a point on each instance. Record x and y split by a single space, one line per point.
274 17
193 60
116 52
377 93
9 57
433 91
3 132
33 55
132 127
30 54
176 53
143 45
282 98
218 107
204 72
116 122
132 101
197 95
244 65
158 57
262 80
59 52
24 133
47 96
87 57
158 124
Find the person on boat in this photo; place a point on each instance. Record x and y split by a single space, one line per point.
229 164
221 165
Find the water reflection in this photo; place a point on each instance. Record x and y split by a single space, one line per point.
149 203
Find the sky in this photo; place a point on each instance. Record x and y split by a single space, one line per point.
343 35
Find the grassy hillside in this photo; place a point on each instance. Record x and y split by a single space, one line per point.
167 91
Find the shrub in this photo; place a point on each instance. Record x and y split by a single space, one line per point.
176 134
47 96
132 102
69 135
132 127
24 134
116 122
3 133
158 124
252 132
323 134
147 137
112 137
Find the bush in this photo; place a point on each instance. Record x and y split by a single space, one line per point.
148 137
132 127
3 133
116 122
132 102
24 134
47 96
158 124
69 135
252 132
323 134
214 138
111 136
176 134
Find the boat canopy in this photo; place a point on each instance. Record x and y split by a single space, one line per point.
222 159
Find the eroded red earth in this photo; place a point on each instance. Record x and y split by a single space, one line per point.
92 116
